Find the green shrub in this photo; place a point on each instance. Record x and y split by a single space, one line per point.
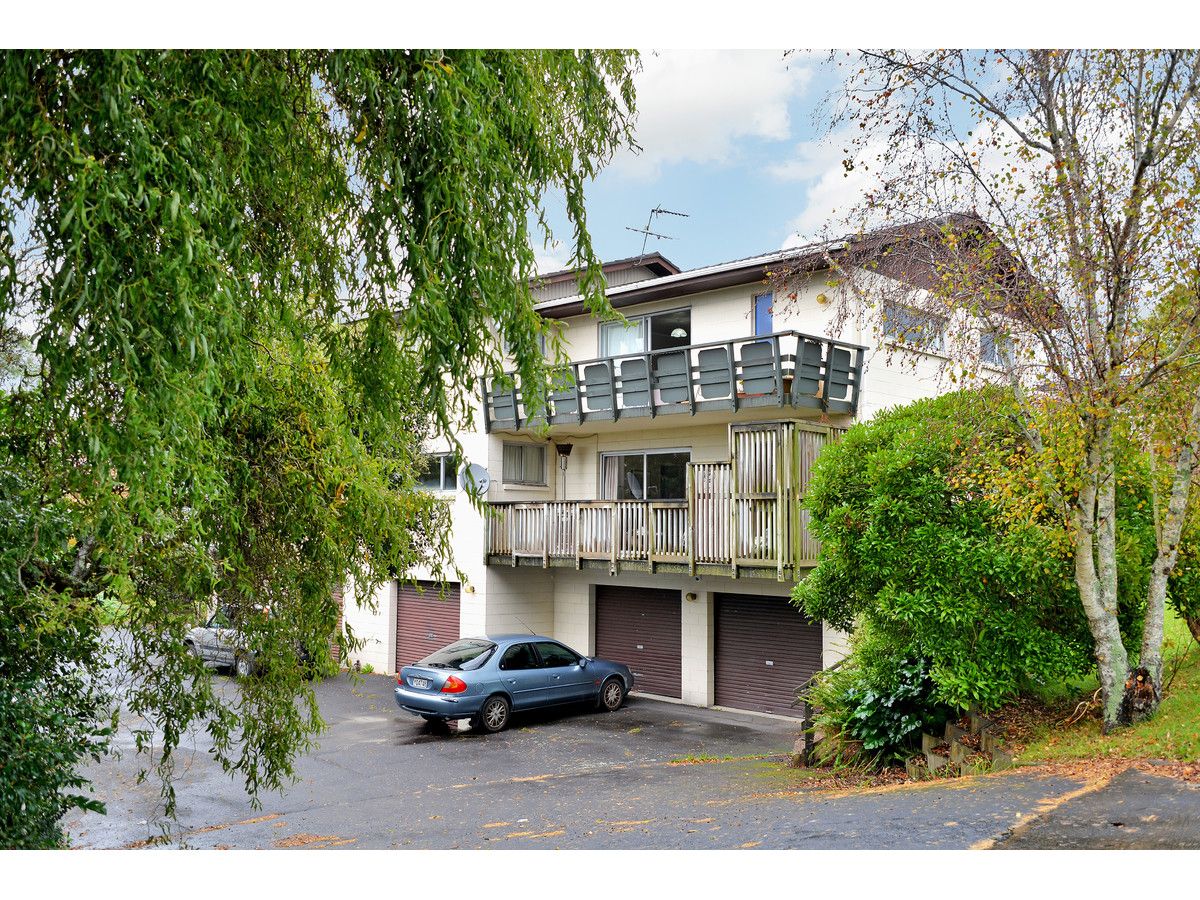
939 535
368 669
872 709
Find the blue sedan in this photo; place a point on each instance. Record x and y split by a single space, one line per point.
485 679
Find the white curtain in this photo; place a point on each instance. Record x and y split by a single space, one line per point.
612 471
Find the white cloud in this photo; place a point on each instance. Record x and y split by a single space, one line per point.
832 191
695 105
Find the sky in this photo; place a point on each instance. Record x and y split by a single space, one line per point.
730 137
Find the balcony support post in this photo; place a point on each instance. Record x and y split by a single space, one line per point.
612 546
733 387
778 370
691 519
545 535
612 387
649 513
578 391
578 536
487 415
828 375
512 539
650 385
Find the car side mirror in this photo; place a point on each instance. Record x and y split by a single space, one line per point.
583 662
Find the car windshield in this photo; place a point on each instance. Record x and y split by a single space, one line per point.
462 655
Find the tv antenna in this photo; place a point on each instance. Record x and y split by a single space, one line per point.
647 233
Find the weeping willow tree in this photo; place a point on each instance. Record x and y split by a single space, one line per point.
237 290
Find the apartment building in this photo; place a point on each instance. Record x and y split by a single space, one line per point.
653 514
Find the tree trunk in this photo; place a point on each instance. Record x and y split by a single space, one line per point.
1194 627
1142 697
1095 572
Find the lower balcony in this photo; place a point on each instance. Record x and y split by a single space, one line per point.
714 532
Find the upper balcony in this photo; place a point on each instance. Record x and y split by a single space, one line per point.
786 368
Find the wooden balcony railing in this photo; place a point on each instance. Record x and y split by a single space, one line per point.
782 369
743 516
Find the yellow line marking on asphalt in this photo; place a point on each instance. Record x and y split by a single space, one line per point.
1048 805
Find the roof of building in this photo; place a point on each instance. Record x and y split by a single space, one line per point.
875 248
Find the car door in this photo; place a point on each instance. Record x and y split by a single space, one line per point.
219 639
522 676
566 679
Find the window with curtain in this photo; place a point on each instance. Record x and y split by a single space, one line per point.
912 326
655 331
524 464
644 475
995 349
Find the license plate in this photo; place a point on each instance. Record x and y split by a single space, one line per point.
421 683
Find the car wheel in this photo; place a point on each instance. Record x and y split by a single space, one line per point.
243 666
612 694
493 715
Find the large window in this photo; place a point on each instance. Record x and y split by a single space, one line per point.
645 475
912 326
525 464
656 331
440 472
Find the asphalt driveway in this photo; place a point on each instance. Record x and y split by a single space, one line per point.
651 775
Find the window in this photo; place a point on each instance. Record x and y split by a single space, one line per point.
912 326
656 331
524 464
764 314
645 475
555 656
517 657
995 349
440 472
461 655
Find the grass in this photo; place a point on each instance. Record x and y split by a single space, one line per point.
1173 733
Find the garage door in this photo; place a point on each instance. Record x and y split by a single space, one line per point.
641 628
765 649
424 621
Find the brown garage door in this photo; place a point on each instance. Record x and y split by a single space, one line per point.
641 628
765 649
424 621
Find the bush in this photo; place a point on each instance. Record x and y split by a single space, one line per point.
873 708
939 535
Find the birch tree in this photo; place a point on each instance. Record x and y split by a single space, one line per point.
1047 202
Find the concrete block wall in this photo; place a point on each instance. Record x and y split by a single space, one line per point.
518 600
373 621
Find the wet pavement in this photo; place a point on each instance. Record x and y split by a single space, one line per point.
651 775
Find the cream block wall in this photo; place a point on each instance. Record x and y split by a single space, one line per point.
375 627
519 600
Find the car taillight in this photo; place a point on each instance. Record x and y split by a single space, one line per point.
454 685
400 680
